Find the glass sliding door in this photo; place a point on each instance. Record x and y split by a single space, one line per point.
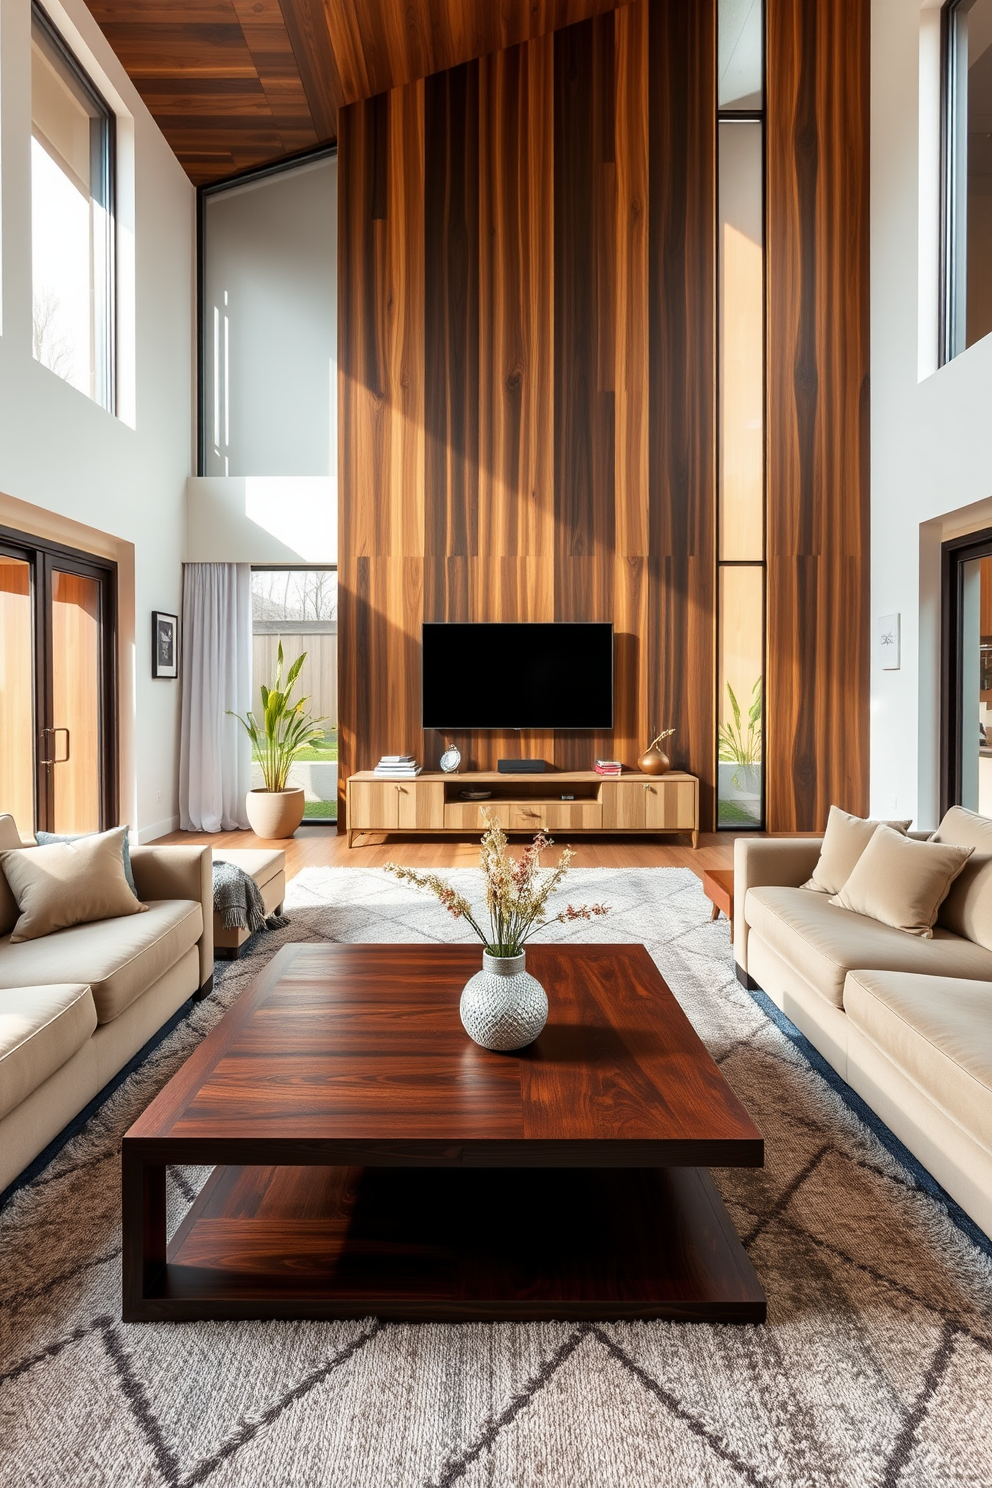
76 786
17 757
967 703
58 733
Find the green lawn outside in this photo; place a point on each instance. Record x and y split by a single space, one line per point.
323 810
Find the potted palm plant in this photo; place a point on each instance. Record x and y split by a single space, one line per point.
286 728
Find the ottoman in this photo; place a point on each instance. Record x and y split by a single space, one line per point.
267 866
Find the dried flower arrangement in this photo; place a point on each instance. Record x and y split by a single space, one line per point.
517 892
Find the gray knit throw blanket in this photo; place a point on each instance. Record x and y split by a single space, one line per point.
239 899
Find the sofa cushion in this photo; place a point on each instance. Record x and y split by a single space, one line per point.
69 883
119 958
844 841
901 882
967 910
938 1032
823 942
40 1028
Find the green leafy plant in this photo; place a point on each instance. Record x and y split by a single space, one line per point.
517 892
286 728
738 745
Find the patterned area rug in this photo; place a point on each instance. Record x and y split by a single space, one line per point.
875 1367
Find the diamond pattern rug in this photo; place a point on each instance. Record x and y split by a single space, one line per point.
874 1369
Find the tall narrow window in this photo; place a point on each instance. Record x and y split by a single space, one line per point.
740 423
967 175
297 608
72 218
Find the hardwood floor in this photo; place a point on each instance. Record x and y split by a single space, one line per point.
315 846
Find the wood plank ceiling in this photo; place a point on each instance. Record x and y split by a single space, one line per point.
234 84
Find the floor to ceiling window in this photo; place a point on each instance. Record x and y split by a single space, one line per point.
741 399
297 608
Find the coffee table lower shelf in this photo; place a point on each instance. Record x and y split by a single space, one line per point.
448 1244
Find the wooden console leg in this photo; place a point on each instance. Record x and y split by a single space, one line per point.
351 837
695 839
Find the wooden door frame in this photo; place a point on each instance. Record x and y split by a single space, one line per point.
45 557
953 555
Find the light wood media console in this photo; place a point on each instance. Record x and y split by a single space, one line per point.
560 801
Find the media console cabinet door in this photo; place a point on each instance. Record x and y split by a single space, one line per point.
373 805
649 805
395 805
419 805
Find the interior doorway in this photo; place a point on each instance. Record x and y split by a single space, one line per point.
966 764
58 687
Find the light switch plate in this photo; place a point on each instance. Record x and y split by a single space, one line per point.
887 642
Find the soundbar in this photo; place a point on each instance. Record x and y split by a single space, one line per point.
522 767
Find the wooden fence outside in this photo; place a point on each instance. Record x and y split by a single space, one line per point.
319 677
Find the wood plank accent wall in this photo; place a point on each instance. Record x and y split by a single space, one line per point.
527 405
526 330
817 439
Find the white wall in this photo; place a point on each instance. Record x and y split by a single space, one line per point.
262 519
270 325
124 476
931 443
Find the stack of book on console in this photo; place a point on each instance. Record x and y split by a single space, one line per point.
397 765
608 767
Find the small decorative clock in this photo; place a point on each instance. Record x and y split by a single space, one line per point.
451 759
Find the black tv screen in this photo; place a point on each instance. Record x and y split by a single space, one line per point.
517 676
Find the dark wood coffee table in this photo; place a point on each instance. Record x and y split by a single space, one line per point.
372 1160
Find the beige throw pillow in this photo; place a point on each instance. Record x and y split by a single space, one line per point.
69 883
967 910
901 882
844 841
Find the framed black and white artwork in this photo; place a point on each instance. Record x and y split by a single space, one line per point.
165 644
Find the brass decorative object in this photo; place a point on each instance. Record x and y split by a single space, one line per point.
655 761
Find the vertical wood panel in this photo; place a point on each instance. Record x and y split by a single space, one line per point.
451 262
381 352
585 337
516 309
817 505
681 327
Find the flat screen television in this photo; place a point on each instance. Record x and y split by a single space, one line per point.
510 675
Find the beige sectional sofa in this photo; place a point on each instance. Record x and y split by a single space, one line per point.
906 1021
76 1005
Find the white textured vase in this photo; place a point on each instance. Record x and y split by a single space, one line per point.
503 1007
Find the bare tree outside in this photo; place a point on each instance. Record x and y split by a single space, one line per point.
52 347
294 594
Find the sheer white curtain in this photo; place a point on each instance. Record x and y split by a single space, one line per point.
214 751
